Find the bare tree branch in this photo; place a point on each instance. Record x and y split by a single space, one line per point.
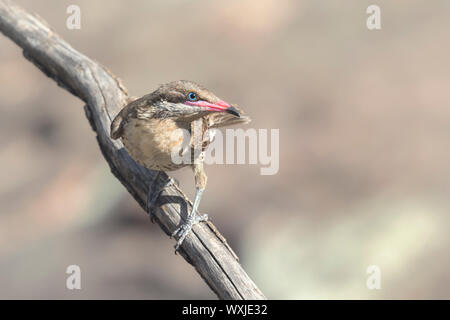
104 96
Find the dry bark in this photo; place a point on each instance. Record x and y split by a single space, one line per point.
104 96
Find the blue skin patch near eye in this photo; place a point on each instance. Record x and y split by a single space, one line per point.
192 96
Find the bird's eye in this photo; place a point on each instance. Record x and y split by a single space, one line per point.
192 96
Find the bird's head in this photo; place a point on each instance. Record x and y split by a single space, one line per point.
188 100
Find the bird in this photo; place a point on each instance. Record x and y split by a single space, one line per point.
149 128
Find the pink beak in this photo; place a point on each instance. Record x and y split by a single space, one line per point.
220 106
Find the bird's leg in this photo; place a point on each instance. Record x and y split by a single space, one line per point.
153 194
192 218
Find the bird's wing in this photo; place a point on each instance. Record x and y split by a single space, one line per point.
120 119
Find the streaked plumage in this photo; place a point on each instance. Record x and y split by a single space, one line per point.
148 129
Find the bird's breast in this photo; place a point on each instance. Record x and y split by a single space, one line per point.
151 142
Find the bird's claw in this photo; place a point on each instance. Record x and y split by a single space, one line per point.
182 231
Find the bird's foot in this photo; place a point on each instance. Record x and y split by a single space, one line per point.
153 196
182 231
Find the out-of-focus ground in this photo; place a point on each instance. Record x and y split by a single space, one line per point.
364 175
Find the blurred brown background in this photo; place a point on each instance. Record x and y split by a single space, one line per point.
364 175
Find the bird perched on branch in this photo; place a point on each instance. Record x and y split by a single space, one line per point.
150 131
